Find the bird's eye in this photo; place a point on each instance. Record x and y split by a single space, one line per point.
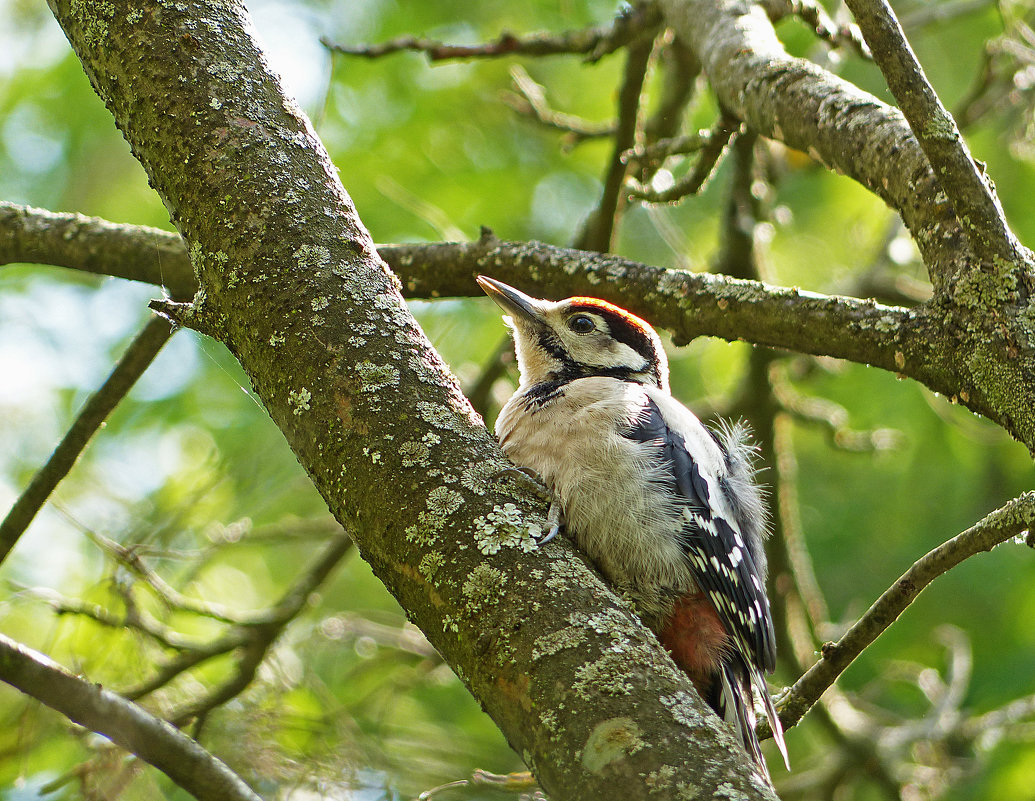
581 324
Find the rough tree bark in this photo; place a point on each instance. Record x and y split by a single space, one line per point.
291 283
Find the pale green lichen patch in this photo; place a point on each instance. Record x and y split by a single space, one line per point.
441 503
476 478
940 126
377 376
94 18
549 720
430 564
660 780
414 453
563 572
611 741
311 257
484 586
446 419
986 289
505 527
557 641
727 790
682 708
607 675
299 399
685 791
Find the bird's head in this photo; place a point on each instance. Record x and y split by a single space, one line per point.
578 337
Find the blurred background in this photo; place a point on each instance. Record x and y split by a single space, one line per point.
191 476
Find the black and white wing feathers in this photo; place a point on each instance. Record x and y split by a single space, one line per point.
722 562
721 538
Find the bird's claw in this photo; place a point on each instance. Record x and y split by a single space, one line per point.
531 479
555 517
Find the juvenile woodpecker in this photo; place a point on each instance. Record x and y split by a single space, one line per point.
667 509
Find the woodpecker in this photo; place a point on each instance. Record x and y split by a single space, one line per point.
667 509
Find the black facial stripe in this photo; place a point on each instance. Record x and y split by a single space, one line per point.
541 394
548 341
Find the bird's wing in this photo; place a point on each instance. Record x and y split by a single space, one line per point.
719 558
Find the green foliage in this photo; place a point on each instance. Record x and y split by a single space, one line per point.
190 466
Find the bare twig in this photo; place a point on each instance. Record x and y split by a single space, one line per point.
674 146
942 12
834 420
126 724
138 356
679 69
531 100
598 231
132 619
258 636
594 43
1015 517
816 17
976 206
696 179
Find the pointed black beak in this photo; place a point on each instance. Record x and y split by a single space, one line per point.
512 301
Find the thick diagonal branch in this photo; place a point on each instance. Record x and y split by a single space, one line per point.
812 110
291 282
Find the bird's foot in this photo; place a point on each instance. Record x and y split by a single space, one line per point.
532 481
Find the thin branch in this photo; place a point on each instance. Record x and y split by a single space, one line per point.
138 356
595 42
153 740
530 100
942 12
1009 521
976 206
598 231
261 636
132 619
810 109
833 418
674 146
816 17
703 169
679 70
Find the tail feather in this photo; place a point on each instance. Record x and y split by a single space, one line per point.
737 707
758 680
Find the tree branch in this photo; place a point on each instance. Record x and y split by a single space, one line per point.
96 246
595 42
1009 521
153 740
599 229
812 110
977 208
137 358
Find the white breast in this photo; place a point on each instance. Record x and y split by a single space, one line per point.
610 487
